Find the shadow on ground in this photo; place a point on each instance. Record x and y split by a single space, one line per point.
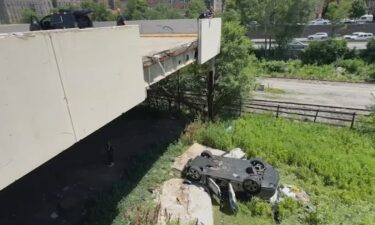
68 188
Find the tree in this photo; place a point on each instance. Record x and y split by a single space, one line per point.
358 8
26 15
162 11
338 11
195 8
279 18
100 11
136 10
233 78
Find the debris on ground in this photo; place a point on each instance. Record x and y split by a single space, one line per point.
236 153
291 191
185 203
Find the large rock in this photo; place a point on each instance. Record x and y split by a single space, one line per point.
185 203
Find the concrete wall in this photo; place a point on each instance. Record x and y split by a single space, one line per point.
209 39
57 87
178 26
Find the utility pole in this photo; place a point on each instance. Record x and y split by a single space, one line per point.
210 89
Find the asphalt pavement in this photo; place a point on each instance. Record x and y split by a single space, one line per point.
356 95
258 43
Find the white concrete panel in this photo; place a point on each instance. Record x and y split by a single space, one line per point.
102 73
209 39
34 120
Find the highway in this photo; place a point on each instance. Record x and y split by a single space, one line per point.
259 43
341 94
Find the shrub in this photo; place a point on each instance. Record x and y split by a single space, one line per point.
274 66
287 207
324 52
353 66
369 53
258 207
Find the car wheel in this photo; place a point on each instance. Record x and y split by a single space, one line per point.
206 154
257 165
310 38
251 185
194 173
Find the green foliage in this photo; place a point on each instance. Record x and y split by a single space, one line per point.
210 136
338 10
234 76
136 10
195 8
325 161
324 52
162 11
353 70
259 207
100 11
273 66
353 66
280 18
288 207
358 8
369 53
26 15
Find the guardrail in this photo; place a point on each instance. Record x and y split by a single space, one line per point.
332 115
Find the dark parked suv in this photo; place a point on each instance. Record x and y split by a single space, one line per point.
62 20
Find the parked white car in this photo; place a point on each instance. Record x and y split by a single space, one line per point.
350 36
347 21
368 18
320 21
318 36
362 37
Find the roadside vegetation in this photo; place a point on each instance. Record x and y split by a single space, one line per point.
335 166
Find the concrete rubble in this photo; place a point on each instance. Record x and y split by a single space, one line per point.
189 204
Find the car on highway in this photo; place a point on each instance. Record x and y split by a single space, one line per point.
318 36
320 21
347 21
350 36
296 45
63 19
368 18
362 37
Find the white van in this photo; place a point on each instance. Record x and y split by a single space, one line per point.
362 37
368 18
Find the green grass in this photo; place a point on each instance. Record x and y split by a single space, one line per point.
272 90
336 166
345 70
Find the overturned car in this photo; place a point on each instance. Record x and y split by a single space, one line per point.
222 174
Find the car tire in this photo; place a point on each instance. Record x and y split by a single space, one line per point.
194 173
207 154
251 185
258 165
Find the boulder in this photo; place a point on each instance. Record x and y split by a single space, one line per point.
185 203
